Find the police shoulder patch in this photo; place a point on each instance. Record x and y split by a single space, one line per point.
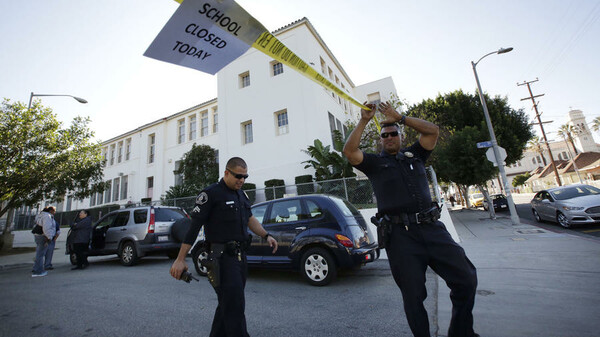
202 198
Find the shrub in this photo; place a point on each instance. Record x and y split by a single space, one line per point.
250 190
276 190
304 184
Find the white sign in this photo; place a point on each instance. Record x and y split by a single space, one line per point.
490 154
205 35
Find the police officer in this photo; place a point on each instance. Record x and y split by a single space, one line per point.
415 239
224 209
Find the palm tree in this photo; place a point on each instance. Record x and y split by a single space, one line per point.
596 124
535 144
328 164
568 131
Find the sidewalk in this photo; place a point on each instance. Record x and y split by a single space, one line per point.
532 282
25 239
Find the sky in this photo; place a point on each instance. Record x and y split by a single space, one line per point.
94 50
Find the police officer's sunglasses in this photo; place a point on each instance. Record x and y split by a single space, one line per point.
386 134
237 175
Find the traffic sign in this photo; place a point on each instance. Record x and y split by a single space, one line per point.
490 154
483 145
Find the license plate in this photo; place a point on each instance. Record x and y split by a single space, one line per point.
163 238
503 206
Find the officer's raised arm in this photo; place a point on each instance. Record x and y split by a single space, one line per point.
351 150
428 131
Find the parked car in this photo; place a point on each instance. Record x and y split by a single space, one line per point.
568 205
317 234
499 201
476 199
134 232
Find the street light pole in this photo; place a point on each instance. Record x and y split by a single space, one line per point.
78 99
511 205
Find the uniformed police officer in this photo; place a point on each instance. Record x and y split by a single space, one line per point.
224 211
415 239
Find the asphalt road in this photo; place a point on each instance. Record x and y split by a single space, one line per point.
108 299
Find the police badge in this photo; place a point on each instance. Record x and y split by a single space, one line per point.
202 198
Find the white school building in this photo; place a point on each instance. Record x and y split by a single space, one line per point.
265 112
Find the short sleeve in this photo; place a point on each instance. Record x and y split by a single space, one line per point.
199 214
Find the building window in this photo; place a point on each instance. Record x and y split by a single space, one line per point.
151 148
178 176
149 187
276 68
124 187
128 149
193 127
281 121
120 152
204 124
112 154
69 203
374 98
107 191
323 66
99 198
215 125
104 154
247 132
116 189
330 73
180 131
93 199
244 79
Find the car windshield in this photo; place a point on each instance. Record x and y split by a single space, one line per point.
477 196
574 192
345 207
498 196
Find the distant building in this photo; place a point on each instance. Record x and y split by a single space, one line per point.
265 113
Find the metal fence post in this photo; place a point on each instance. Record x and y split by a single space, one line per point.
345 188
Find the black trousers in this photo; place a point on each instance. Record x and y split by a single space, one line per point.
81 250
230 319
410 252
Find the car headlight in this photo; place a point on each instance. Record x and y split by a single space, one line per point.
572 208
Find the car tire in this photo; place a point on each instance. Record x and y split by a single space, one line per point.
197 257
128 254
73 258
318 267
562 220
536 215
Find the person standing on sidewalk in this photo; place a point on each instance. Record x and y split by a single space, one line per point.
51 245
82 230
46 221
408 225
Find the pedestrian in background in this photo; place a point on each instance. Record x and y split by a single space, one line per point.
51 245
44 232
81 232
407 219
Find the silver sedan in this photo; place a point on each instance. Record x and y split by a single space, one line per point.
568 205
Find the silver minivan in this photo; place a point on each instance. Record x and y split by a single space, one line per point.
134 232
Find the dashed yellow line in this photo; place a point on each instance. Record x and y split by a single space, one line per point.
591 231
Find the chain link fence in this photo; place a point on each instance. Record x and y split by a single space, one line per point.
357 190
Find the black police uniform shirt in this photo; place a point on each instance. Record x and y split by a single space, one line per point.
223 212
399 181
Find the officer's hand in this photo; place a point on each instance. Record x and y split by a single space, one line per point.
391 115
366 114
272 243
178 268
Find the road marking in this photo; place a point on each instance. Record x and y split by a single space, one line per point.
591 231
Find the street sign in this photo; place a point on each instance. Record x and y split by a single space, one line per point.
483 145
490 154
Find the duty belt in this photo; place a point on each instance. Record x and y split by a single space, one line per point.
427 216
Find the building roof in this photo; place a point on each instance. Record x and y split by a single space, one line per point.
582 161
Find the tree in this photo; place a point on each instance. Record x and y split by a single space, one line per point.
596 124
535 143
568 131
520 179
43 161
462 124
199 169
326 163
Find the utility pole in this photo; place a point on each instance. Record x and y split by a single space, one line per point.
537 114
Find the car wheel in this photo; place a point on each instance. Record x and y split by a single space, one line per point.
199 256
128 254
318 267
537 217
562 220
73 258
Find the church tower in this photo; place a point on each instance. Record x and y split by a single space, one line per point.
584 141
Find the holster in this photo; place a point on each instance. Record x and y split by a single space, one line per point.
384 231
213 264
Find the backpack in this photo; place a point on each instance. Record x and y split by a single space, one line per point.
37 229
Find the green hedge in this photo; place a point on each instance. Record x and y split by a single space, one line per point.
304 184
250 189
278 191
